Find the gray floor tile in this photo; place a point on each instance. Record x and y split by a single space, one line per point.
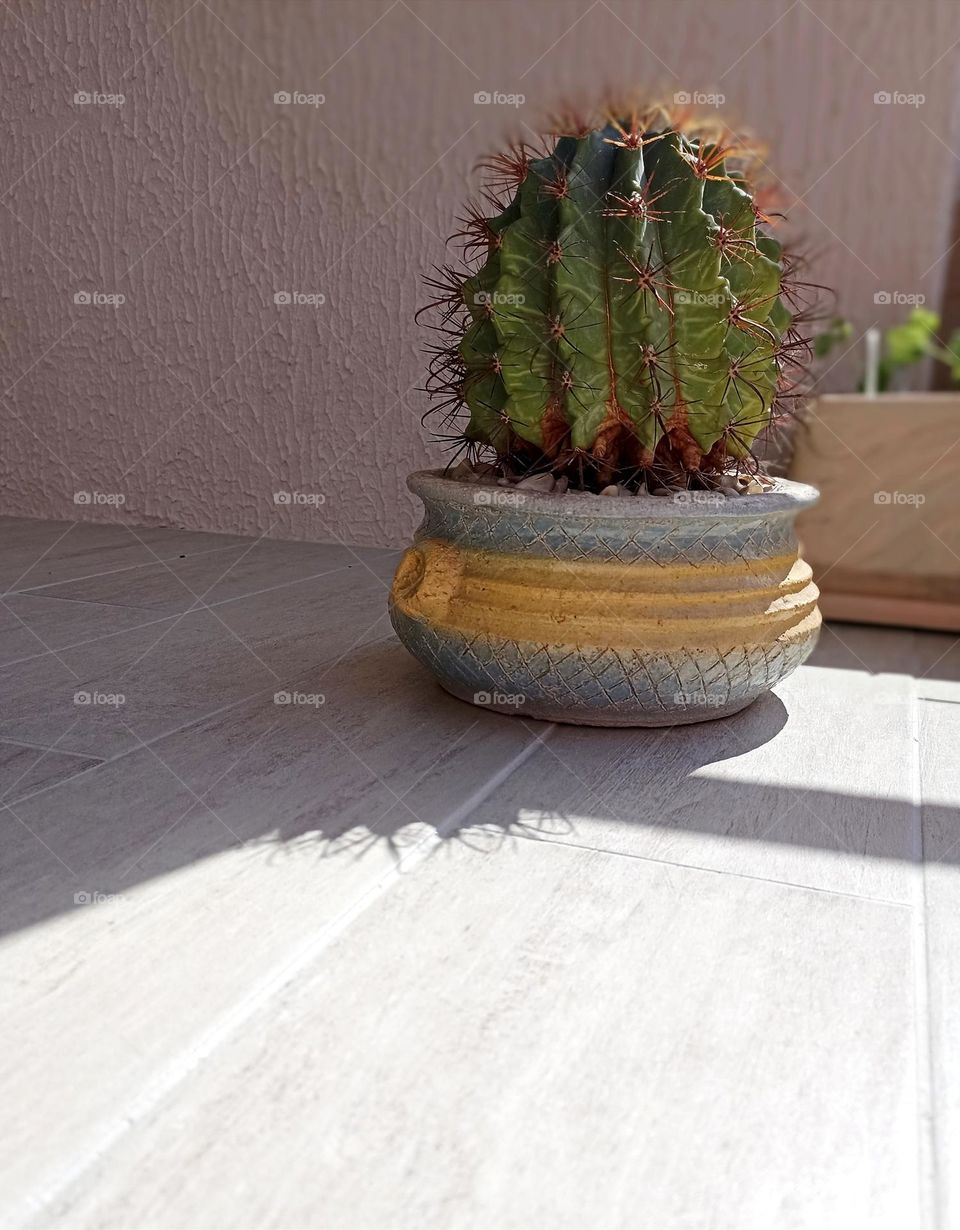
301 913
177 584
152 895
31 626
808 786
940 787
40 553
24 769
544 1036
173 673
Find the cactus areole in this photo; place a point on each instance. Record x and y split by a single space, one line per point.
624 314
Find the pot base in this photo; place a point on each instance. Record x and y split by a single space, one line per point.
590 686
546 713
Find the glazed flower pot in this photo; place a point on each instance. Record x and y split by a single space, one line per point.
623 611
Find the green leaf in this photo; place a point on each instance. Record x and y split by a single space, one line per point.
910 342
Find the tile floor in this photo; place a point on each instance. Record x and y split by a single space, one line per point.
374 959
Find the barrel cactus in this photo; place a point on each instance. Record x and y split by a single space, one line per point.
623 313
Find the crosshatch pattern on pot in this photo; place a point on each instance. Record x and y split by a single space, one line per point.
553 679
655 542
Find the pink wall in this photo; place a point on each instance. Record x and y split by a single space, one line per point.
199 199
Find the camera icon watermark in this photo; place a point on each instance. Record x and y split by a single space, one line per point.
697 98
110 499
497 298
109 700
701 298
311 700
896 98
496 98
899 297
97 298
93 98
702 700
507 700
913 499
706 498
305 499
499 498
92 896
298 298
296 98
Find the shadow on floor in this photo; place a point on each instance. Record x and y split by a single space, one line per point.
392 756
878 650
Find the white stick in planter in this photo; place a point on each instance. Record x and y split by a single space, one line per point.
871 375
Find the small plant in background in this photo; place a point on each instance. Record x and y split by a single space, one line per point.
896 350
623 315
837 331
907 344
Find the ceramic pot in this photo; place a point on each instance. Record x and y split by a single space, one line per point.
606 611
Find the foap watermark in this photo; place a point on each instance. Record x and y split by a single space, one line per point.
897 98
297 98
112 499
697 98
499 498
98 298
707 498
914 499
497 98
498 297
93 896
698 700
508 700
107 700
298 298
303 499
900 297
311 700
93 98
714 298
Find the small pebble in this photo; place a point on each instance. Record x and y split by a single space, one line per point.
613 489
754 488
562 484
537 482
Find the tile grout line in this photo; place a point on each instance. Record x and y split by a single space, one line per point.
32 590
716 871
91 640
176 730
173 1073
43 747
109 572
928 1163
149 623
33 593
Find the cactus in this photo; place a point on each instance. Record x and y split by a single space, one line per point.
623 313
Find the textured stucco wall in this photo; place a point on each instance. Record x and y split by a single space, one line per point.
199 198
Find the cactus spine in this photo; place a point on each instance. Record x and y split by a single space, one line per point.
631 315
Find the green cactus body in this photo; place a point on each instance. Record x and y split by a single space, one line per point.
628 304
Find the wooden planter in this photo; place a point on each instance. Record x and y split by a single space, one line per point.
884 541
